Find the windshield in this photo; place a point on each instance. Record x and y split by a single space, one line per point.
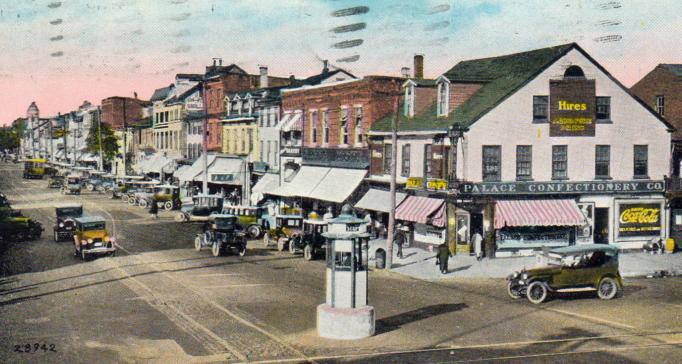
69 211
97 225
72 180
224 224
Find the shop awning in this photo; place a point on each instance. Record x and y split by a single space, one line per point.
195 169
422 210
379 200
537 213
224 171
338 184
294 122
268 182
306 180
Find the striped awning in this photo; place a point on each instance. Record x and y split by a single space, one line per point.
422 210
511 213
294 122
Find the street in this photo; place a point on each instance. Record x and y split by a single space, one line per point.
161 301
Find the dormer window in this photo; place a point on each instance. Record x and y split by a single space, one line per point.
409 101
228 105
443 99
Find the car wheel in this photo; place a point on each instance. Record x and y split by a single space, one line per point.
242 250
537 292
131 201
266 240
143 204
513 290
180 217
292 246
84 255
607 289
56 237
254 231
281 244
308 252
90 187
168 205
197 243
217 249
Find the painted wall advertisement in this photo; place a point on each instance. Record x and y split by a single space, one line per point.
572 107
639 219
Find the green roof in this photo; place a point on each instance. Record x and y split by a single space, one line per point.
499 76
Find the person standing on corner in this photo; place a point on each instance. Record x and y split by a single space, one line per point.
154 209
443 256
477 239
400 240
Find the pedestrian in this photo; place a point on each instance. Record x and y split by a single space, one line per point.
477 239
154 209
442 257
368 222
400 240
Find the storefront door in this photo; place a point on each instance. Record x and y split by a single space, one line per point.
676 227
601 225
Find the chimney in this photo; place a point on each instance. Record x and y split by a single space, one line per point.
418 66
325 67
263 76
405 72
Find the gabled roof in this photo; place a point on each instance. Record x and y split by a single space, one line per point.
674 68
184 95
161 94
500 77
317 79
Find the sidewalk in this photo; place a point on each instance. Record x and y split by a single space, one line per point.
421 264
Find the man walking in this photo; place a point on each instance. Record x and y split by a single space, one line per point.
477 239
154 209
442 257
400 240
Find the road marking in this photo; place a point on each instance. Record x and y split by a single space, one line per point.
592 318
238 285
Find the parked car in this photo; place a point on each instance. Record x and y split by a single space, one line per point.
167 197
34 168
573 268
201 208
310 240
56 181
65 226
92 238
93 181
16 227
286 228
72 185
223 234
140 190
254 219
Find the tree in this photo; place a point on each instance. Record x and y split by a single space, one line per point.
109 141
10 136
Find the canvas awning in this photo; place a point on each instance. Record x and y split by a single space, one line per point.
195 169
379 200
423 210
224 170
338 184
268 182
510 213
293 122
306 180
157 163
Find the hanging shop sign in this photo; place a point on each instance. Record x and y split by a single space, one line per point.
532 188
572 107
436 184
639 219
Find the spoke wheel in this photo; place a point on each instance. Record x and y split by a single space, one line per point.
216 249
168 205
308 252
292 246
197 243
537 292
266 240
281 244
143 203
513 290
608 288
254 231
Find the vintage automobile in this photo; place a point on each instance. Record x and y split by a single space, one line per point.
310 240
201 208
286 228
16 227
254 219
166 196
223 234
4 202
34 168
93 181
569 269
91 237
65 225
56 181
72 185
140 190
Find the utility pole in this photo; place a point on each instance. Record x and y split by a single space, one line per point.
75 159
99 137
204 157
394 151
125 140
51 143
66 140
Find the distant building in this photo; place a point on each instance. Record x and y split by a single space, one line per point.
118 111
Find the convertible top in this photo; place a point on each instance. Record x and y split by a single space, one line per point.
88 219
585 248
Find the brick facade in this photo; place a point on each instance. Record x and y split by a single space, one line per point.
369 93
117 111
661 81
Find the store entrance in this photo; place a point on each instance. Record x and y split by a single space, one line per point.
601 225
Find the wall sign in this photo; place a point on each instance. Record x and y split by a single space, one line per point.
639 219
572 107
532 188
334 157
436 184
223 178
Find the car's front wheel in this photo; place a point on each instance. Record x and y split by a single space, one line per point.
281 244
513 290
266 240
254 231
143 203
84 255
308 252
292 245
217 249
56 237
197 243
168 205
242 250
537 292
607 289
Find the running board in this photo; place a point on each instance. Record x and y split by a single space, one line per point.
583 289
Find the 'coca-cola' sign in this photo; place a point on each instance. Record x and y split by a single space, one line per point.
639 219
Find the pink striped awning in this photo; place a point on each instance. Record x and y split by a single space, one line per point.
537 213
421 209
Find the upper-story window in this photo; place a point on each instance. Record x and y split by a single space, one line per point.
641 161
491 162
524 162
343 122
540 108
602 161
559 162
409 101
660 105
314 120
228 106
443 99
240 104
428 156
250 105
388 156
325 126
603 108
574 72
358 124
405 161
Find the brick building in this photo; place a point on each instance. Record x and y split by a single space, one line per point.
118 111
661 89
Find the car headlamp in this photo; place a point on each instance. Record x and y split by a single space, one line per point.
61 224
90 241
515 275
524 276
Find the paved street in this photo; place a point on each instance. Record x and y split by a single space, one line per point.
161 301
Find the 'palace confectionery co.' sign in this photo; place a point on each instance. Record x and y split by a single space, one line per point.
502 188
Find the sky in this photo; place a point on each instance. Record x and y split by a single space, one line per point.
60 53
